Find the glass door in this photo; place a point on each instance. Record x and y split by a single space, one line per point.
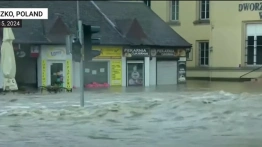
57 74
135 73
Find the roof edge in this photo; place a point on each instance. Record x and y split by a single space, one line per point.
108 20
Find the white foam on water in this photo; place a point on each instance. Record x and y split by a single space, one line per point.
153 114
60 102
17 107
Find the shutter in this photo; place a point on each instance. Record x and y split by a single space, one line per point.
166 72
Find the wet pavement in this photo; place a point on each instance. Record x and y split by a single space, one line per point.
198 114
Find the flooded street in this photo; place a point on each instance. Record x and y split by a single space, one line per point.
199 114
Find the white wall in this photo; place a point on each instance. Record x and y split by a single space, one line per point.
147 71
76 74
124 71
1 77
152 76
46 49
39 70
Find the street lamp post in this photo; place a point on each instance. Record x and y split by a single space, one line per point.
81 39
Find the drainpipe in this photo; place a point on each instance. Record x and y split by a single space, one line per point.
210 52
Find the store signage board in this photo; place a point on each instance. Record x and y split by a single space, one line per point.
136 52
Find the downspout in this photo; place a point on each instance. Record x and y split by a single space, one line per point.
210 52
43 27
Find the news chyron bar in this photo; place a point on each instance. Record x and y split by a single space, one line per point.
13 17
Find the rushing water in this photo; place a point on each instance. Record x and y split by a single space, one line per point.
199 114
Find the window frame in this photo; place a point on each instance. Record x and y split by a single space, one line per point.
147 2
174 3
199 55
206 2
254 51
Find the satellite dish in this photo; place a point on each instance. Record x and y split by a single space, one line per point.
20 54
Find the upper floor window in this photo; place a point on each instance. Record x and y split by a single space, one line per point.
175 10
204 9
147 2
253 50
203 53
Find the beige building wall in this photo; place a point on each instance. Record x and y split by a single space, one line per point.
225 31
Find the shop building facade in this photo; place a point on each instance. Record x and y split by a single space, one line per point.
116 66
106 68
119 33
26 65
225 36
53 62
144 66
136 63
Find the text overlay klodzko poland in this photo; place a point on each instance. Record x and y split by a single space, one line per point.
23 13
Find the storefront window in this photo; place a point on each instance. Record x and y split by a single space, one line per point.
96 72
135 74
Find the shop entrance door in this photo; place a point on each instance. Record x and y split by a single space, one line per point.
135 73
56 74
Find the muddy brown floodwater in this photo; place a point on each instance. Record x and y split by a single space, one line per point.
198 114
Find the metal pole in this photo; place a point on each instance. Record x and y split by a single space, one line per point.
82 66
77 10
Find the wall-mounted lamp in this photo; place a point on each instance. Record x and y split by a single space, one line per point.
188 50
189 55
20 53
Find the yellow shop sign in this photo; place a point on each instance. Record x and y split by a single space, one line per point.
109 52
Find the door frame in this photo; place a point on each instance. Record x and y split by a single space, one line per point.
135 61
49 63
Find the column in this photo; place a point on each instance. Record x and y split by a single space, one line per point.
147 71
39 72
76 77
152 80
124 71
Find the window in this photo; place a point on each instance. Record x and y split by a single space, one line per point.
147 2
204 9
174 10
203 53
254 50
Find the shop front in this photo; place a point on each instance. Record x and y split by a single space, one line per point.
168 66
56 66
104 70
136 66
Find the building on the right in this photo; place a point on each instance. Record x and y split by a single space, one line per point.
226 36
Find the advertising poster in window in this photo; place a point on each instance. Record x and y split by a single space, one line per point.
68 74
135 74
181 75
44 73
116 73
